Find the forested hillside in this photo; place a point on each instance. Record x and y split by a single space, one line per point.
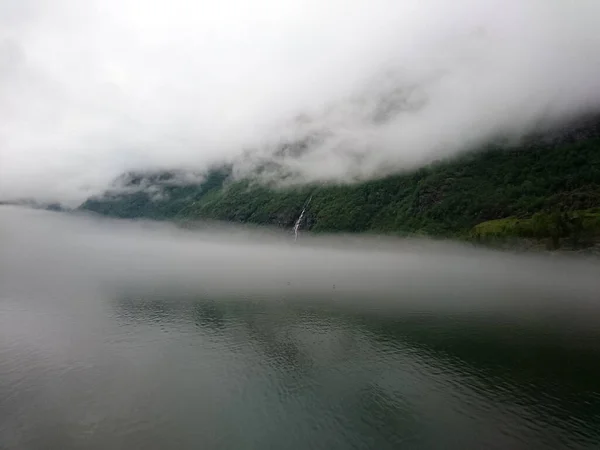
557 183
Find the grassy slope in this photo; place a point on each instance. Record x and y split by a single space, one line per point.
445 199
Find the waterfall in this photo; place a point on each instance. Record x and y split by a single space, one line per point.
299 221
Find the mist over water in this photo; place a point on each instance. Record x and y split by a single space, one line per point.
117 334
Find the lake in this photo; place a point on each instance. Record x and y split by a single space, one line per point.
127 335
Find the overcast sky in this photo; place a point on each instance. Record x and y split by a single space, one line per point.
90 88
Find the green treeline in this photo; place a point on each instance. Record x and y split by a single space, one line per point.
528 186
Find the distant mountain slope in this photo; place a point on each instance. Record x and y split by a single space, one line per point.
155 195
557 172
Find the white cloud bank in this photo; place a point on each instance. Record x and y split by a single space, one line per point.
91 88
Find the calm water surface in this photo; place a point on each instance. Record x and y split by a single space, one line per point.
94 355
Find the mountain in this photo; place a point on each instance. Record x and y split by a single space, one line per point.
34 204
546 187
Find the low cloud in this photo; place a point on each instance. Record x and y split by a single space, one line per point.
89 90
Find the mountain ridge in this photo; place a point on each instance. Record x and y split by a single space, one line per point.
553 172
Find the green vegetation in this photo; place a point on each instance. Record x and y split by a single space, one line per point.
581 227
159 199
540 192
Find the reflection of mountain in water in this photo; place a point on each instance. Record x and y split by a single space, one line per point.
391 374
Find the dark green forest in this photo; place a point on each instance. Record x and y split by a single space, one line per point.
542 191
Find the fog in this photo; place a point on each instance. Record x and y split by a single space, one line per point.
91 89
54 257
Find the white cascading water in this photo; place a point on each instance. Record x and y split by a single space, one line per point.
299 221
